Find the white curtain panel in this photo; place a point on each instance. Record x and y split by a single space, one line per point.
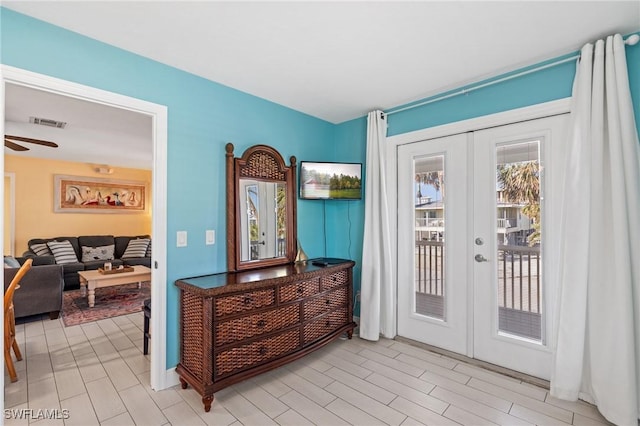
376 288
598 318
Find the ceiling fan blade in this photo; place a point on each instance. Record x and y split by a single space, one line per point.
15 146
29 140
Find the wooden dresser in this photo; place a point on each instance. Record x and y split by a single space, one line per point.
239 324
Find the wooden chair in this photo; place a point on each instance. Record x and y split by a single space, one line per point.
10 321
147 328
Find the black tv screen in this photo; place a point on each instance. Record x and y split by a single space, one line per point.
330 181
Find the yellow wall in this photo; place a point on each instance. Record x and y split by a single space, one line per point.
35 217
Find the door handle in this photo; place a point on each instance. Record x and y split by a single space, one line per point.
480 258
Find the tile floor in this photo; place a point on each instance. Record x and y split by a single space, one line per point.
97 372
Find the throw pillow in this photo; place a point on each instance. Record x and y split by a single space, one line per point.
40 249
63 252
148 254
11 262
98 253
136 248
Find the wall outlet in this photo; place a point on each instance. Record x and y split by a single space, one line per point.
181 239
210 237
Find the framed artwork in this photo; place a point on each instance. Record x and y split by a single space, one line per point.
74 194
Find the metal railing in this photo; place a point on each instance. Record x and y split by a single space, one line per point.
430 267
281 248
508 222
431 222
518 270
519 278
435 222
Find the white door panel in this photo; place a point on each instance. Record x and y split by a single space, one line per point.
468 279
514 295
432 288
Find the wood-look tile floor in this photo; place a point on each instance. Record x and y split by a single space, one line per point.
97 372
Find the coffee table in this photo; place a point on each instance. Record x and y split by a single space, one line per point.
93 279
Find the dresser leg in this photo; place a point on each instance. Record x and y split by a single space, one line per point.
183 383
207 400
350 334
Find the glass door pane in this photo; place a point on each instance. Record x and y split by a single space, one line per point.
518 213
429 282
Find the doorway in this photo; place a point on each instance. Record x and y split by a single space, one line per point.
474 212
160 376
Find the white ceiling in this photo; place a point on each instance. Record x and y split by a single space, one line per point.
339 60
95 133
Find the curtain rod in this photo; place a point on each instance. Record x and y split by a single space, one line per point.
631 40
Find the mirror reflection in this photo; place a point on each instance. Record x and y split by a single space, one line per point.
263 219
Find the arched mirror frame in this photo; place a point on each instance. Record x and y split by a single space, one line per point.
261 163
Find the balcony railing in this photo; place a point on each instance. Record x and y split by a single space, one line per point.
519 278
519 293
518 274
281 248
509 222
428 222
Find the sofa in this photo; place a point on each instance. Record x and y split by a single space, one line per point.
40 290
91 252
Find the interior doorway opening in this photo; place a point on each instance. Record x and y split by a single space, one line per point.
159 376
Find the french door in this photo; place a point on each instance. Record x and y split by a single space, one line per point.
475 211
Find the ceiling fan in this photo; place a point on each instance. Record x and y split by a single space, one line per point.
10 142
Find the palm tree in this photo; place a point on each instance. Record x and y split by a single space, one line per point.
435 179
521 184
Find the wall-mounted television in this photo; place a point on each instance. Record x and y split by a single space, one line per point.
330 181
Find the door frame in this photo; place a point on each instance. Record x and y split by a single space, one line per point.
532 112
12 210
161 378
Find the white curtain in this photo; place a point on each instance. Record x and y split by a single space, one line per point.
376 307
598 318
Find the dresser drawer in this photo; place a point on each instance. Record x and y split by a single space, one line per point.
325 324
334 280
253 325
299 290
252 354
244 302
325 303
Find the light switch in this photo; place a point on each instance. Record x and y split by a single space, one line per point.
181 239
210 237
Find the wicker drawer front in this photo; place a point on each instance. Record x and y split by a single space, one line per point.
299 290
193 328
243 302
320 327
245 356
325 303
253 325
334 280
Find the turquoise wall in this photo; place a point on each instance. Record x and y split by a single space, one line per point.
543 86
203 117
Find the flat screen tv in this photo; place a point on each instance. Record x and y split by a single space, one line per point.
330 181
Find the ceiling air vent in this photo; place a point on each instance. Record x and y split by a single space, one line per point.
47 122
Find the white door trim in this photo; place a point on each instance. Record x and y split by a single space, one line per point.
546 109
160 378
12 209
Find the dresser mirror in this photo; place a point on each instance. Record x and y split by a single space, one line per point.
261 208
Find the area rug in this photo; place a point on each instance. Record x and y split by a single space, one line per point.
110 302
